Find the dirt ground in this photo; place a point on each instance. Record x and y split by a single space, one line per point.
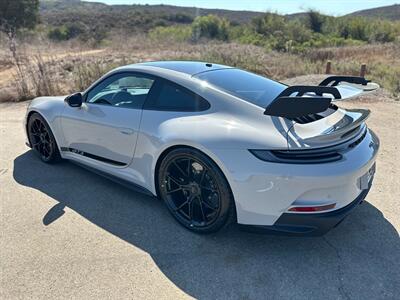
68 233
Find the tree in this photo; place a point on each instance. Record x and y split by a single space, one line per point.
15 15
315 20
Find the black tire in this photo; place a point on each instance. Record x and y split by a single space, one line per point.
42 139
195 191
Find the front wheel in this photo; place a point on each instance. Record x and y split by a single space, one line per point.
195 191
42 139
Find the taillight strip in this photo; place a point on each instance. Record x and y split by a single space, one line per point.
312 208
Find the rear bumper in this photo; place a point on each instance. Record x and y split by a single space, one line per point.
297 224
265 192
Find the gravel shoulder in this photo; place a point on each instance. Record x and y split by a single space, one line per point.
68 233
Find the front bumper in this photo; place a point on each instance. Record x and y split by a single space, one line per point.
296 224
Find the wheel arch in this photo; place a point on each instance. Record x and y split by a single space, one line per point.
209 155
29 115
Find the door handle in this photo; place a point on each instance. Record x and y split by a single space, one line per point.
126 131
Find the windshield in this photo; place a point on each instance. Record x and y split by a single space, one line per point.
245 85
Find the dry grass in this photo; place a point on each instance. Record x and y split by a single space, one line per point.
51 69
383 63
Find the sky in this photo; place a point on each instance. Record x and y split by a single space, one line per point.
331 7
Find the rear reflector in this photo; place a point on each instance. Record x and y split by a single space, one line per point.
312 208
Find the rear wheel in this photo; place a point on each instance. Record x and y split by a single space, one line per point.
42 139
195 190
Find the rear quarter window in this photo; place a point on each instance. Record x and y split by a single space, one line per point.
168 96
248 86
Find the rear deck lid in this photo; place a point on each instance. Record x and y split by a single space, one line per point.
335 128
333 125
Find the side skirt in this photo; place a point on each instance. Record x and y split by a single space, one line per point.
126 183
93 156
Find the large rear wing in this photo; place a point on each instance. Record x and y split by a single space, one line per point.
303 100
335 80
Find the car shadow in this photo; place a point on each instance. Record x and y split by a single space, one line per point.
359 257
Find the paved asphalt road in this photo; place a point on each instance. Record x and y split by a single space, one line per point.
68 233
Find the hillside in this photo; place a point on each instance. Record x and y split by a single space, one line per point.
58 12
391 12
139 18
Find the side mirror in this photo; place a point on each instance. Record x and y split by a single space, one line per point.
74 100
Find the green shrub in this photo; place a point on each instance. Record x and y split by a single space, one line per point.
314 31
211 27
171 33
383 31
362 29
298 32
65 32
58 34
252 39
268 24
354 28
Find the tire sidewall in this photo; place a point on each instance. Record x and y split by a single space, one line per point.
55 155
226 200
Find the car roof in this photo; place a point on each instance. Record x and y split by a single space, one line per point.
187 67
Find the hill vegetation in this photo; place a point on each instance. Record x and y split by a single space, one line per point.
278 46
391 12
64 20
132 17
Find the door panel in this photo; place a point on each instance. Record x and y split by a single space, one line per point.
100 130
106 127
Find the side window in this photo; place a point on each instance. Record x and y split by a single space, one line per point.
172 97
121 90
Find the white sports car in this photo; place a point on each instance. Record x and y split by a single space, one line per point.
218 144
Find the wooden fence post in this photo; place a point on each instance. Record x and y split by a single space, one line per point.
363 70
328 67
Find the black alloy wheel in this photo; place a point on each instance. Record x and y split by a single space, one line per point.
195 190
42 139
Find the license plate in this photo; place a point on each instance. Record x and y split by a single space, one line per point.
365 180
